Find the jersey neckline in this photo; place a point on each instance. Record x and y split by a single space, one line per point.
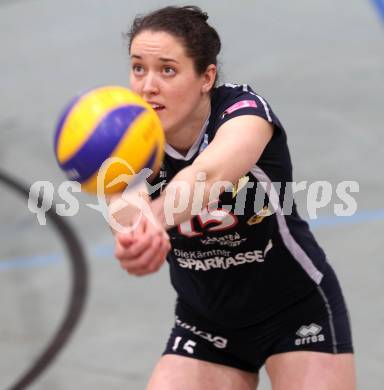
172 152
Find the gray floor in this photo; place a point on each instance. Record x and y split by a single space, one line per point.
319 63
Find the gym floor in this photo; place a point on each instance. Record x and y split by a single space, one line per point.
320 65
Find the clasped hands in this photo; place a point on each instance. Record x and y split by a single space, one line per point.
142 244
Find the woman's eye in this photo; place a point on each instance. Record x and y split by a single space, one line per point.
169 71
138 69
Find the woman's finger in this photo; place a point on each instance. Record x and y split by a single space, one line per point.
124 239
142 261
140 245
120 249
156 258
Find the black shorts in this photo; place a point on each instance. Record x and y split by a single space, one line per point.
318 322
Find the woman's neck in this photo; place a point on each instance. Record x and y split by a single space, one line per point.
184 137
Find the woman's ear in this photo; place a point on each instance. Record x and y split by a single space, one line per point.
209 78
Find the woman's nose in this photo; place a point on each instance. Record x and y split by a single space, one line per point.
150 85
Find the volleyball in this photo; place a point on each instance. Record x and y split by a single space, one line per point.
111 128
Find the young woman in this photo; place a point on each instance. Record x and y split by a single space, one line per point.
253 286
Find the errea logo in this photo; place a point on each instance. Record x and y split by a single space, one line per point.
311 330
309 334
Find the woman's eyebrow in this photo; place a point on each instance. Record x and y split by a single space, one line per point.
166 59
163 59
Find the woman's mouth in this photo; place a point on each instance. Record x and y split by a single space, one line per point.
157 107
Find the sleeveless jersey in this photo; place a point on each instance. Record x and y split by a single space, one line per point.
251 255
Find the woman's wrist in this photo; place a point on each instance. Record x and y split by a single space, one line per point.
157 207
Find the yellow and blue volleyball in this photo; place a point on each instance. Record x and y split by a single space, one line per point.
109 121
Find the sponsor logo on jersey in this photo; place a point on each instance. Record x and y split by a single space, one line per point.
221 262
259 216
231 240
238 106
200 254
268 248
217 341
162 174
219 259
239 186
309 334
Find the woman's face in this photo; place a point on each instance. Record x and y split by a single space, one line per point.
165 77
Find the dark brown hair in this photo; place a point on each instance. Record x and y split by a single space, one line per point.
189 24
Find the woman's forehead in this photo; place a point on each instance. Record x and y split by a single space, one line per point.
157 42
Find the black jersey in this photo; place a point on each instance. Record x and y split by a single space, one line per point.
252 255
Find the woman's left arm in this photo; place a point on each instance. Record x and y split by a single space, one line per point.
235 149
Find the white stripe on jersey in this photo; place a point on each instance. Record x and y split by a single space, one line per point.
266 108
294 248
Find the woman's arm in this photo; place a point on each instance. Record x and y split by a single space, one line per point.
237 146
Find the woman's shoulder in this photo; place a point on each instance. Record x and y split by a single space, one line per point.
229 90
231 100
